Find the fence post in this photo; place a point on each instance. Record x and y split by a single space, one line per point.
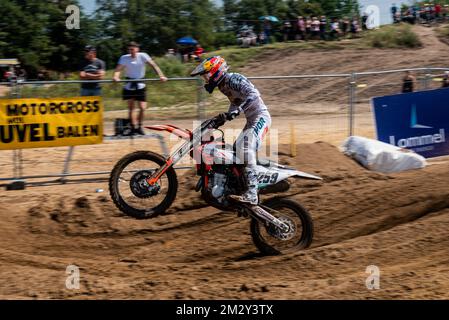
17 154
427 79
200 102
352 97
292 140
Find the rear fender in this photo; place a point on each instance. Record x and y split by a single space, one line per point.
272 175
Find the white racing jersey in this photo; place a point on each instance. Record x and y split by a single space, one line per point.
239 89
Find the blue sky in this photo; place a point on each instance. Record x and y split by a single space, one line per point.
384 5
88 5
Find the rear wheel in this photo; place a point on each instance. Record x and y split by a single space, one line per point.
130 191
271 240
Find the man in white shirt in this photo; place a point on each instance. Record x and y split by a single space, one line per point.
134 66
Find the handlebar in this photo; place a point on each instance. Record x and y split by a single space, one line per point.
228 116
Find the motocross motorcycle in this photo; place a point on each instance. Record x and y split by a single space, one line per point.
144 184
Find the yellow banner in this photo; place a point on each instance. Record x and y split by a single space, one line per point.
52 122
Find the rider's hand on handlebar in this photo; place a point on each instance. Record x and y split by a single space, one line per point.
220 120
232 115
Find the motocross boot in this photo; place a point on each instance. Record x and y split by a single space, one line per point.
251 194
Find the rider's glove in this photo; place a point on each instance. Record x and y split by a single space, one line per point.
220 120
232 115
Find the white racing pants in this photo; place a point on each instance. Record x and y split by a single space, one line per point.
247 145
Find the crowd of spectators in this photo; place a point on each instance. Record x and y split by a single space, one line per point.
302 28
14 73
321 28
425 13
186 53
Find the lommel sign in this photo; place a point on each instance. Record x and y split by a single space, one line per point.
418 121
52 122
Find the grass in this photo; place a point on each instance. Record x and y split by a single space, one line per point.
393 36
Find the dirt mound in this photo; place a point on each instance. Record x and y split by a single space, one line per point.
71 217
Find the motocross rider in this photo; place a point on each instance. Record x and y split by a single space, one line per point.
244 97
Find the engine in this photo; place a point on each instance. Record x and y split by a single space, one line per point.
217 185
220 184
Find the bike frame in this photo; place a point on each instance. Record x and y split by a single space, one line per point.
194 139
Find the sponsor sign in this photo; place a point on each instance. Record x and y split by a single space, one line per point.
418 121
52 122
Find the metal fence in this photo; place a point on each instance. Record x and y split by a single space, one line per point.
326 107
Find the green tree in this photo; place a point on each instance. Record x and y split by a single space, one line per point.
35 32
155 24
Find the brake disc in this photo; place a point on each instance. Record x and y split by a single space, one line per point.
280 234
140 187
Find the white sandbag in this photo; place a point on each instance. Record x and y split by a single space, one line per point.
382 157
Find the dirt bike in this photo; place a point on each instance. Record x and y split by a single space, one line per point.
144 184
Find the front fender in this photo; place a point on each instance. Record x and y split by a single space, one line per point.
182 133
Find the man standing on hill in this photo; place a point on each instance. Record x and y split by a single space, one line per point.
91 68
134 66
394 10
408 82
323 27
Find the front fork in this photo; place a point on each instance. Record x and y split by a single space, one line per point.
260 214
159 172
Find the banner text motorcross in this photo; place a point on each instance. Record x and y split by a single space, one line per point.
51 122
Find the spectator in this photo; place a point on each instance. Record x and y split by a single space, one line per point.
335 29
267 30
261 38
286 29
422 14
41 75
428 14
364 21
438 12
9 75
315 28
323 27
446 80
198 53
354 27
398 17
186 52
394 11
345 26
408 82
91 68
308 28
301 28
414 10
170 54
22 74
134 66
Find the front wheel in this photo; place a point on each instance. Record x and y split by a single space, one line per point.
130 191
271 240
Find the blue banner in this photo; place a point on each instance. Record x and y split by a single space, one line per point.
418 121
